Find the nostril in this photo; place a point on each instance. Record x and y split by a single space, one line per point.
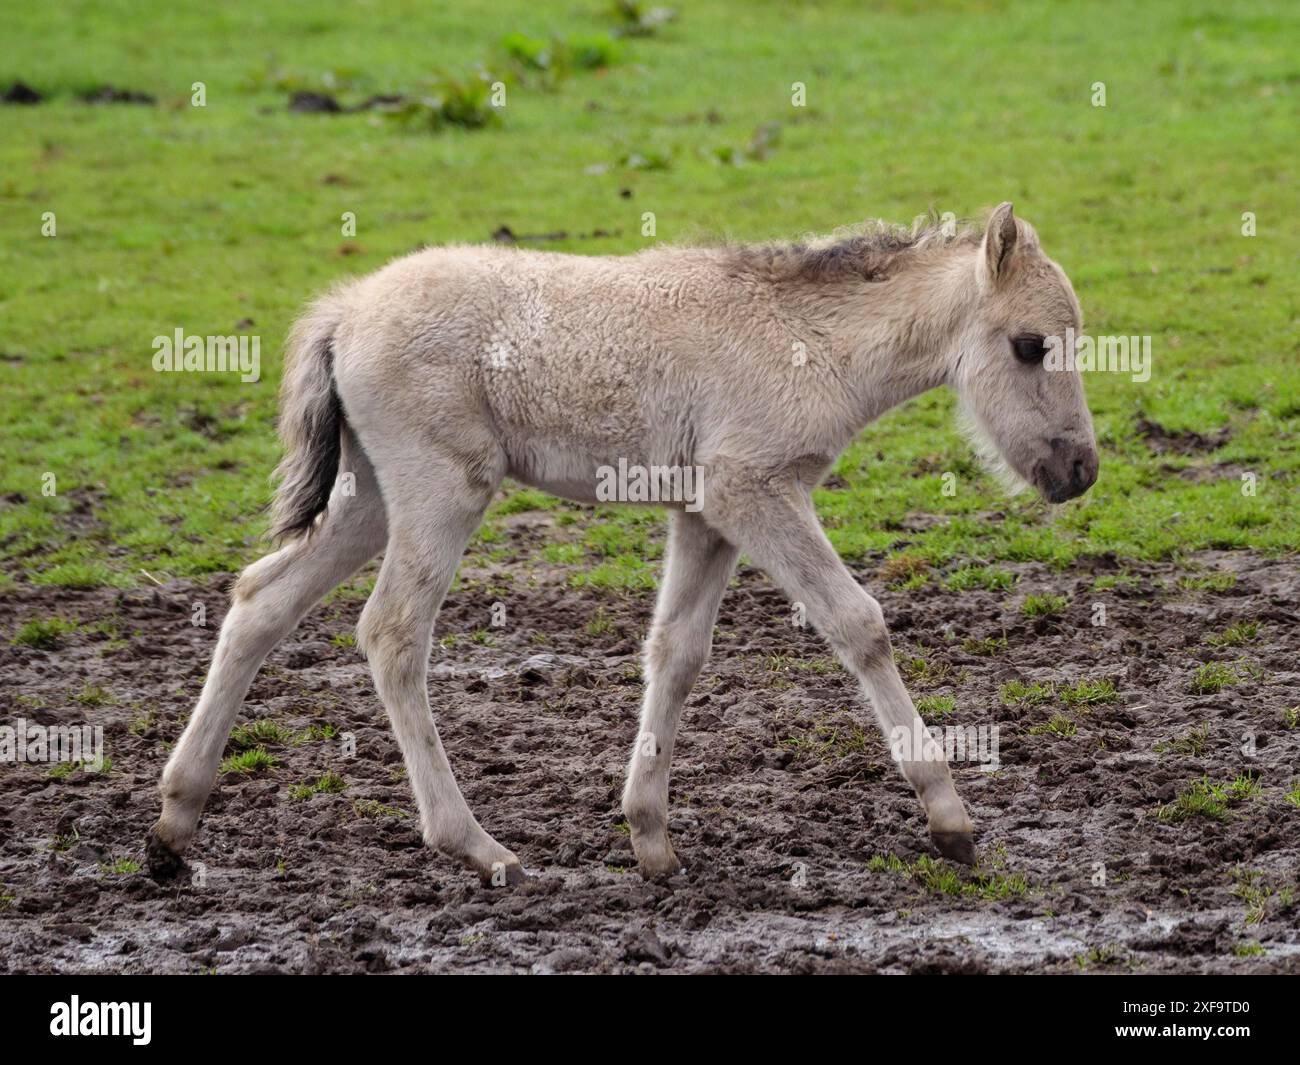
1080 473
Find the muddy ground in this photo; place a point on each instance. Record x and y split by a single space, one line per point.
781 800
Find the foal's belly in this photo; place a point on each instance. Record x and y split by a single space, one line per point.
581 477
560 470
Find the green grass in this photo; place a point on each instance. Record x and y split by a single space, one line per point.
932 706
942 878
1212 677
374 808
1018 693
326 783
829 743
1210 800
43 633
204 217
1058 725
250 761
259 733
1192 743
985 577
1237 635
1090 692
1045 605
987 646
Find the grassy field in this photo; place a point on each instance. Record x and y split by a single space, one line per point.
225 218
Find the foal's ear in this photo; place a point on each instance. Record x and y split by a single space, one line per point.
1000 237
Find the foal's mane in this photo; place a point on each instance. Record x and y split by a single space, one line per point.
871 251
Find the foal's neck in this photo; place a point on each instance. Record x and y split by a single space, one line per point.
898 337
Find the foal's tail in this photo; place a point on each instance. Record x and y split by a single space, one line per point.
311 423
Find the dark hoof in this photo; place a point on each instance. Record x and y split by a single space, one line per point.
504 876
163 862
956 846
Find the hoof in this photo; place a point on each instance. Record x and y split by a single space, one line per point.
660 865
955 846
504 874
163 862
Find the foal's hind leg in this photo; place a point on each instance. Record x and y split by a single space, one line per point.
269 600
433 510
777 527
699 564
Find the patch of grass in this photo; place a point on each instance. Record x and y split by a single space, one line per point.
1018 693
1257 893
464 101
987 646
315 733
1250 949
259 733
1293 796
919 670
1204 798
327 783
1291 716
1089 692
601 624
374 808
932 706
64 770
1208 582
1108 582
65 841
92 694
43 633
1243 632
828 743
902 566
1058 725
1192 743
250 761
985 577
1212 677
943 878
1044 605
121 867
344 639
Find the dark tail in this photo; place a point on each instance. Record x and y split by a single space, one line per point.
311 424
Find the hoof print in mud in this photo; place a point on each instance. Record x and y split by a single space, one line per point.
955 846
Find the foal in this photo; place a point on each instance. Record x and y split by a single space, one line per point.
408 395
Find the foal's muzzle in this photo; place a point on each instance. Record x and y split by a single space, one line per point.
1069 471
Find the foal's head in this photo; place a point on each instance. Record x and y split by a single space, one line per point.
1035 419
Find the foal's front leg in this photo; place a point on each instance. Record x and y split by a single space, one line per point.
699 564
778 529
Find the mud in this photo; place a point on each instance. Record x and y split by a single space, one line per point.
781 800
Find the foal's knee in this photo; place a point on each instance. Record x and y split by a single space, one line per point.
858 632
387 639
675 654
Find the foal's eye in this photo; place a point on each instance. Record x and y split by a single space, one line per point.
1029 348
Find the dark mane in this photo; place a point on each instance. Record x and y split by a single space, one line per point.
870 252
